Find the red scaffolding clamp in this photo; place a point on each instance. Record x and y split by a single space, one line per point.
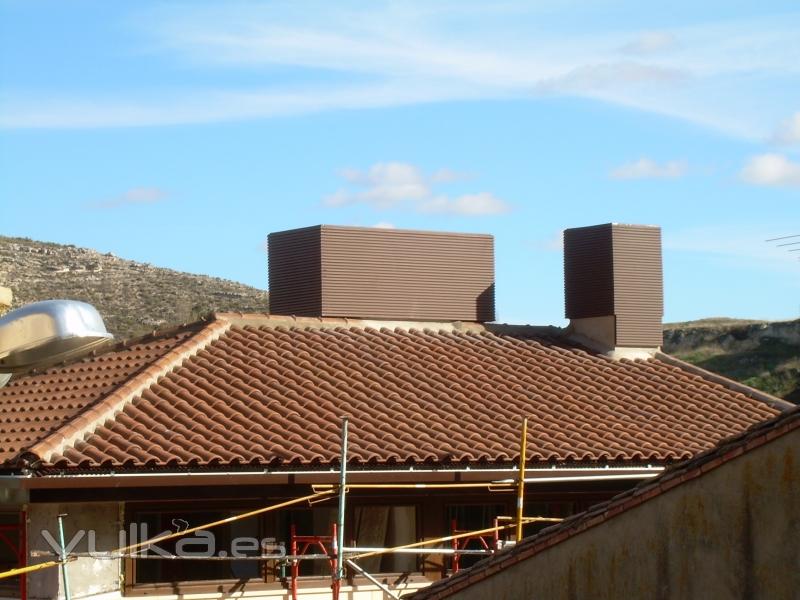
486 542
301 544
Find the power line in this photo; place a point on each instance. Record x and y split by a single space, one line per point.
785 237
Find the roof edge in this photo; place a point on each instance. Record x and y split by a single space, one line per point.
105 408
751 392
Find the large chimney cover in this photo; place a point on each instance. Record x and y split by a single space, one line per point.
372 273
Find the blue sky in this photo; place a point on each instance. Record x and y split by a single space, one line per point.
182 133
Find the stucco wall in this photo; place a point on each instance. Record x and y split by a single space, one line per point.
732 533
88 577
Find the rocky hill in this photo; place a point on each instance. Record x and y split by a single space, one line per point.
133 297
137 297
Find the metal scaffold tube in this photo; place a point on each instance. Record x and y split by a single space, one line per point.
342 505
523 447
381 586
63 556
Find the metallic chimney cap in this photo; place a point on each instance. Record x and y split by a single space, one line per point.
48 332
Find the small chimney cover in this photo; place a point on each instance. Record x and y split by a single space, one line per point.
615 270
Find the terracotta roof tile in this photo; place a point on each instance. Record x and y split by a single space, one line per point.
272 394
35 406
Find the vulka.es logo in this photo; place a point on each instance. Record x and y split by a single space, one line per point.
201 544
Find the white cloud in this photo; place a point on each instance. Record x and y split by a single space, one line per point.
384 225
394 185
482 203
772 170
646 168
137 195
650 42
448 175
788 131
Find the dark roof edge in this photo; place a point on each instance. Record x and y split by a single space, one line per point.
727 450
751 392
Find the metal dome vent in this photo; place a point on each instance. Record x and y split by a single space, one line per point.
48 332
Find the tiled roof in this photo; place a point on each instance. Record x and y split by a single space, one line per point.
704 462
270 391
35 406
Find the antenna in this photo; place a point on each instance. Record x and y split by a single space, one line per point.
786 237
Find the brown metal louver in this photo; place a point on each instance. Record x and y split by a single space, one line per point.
615 270
369 273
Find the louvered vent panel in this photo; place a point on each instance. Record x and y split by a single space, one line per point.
373 273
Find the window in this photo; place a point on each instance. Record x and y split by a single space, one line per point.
368 526
386 527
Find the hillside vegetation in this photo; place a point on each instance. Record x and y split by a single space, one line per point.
137 297
764 355
133 297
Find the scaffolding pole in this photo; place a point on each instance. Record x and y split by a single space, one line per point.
252 513
523 445
342 506
261 557
381 586
494 486
31 568
449 538
63 556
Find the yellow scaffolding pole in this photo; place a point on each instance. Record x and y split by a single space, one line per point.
449 538
31 568
523 447
127 549
252 513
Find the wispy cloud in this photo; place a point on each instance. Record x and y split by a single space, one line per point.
396 54
646 168
398 185
134 196
593 79
771 170
650 42
788 132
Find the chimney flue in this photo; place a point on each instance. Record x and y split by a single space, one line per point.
613 287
